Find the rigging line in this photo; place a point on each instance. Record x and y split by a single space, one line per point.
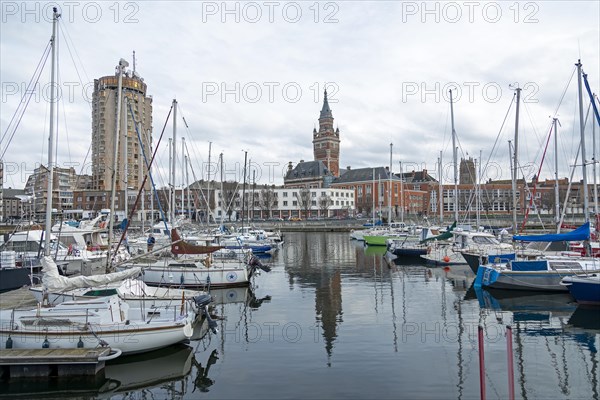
564 209
148 174
484 171
535 132
196 200
537 177
61 100
592 101
32 82
67 39
189 133
20 111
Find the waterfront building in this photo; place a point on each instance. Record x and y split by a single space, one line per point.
104 118
326 141
62 190
267 202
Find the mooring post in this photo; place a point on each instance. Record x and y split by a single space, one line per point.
509 357
481 364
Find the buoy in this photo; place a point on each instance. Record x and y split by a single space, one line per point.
446 259
9 342
46 344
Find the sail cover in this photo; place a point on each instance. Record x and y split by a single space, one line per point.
54 282
180 246
581 233
442 236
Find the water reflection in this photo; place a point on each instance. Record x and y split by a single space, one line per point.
552 338
165 371
353 307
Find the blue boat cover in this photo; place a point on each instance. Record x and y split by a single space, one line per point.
533 265
581 233
499 258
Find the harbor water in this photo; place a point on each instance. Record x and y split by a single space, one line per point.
336 320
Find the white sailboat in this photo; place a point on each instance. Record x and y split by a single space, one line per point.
56 289
105 321
546 272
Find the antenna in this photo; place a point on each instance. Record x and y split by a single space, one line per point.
134 62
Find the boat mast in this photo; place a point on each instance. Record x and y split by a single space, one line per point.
55 16
478 192
373 201
120 69
401 193
187 184
586 211
515 165
209 214
244 188
125 158
174 163
390 188
556 192
594 169
183 176
222 197
441 190
455 158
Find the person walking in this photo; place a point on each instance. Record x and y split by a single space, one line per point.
150 242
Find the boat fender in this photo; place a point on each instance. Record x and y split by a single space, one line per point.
114 353
446 259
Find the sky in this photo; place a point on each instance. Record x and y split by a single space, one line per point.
249 79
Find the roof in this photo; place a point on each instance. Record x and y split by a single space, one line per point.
363 175
11 193
307 169
417 176
326 111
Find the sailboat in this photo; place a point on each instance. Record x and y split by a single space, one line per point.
584 288
100 322
546 272
56 289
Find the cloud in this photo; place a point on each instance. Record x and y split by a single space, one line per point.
250 75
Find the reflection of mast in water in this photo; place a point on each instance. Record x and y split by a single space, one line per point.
461 330
202 381
393 312
563 382
520 362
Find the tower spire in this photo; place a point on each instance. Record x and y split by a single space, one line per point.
326 111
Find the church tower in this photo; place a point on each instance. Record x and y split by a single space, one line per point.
326 142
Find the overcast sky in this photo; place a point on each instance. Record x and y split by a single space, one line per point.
249 76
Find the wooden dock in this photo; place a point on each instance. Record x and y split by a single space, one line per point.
40 363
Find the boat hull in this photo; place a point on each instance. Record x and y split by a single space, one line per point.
129 337
14 278
519 280
192 277
585 290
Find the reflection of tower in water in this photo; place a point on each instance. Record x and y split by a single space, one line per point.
317 261
328 307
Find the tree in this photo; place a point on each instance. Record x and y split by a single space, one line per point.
324 203
304 201
268 200
229 200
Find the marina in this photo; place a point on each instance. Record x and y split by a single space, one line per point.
341 320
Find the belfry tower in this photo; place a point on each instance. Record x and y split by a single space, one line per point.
326 142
